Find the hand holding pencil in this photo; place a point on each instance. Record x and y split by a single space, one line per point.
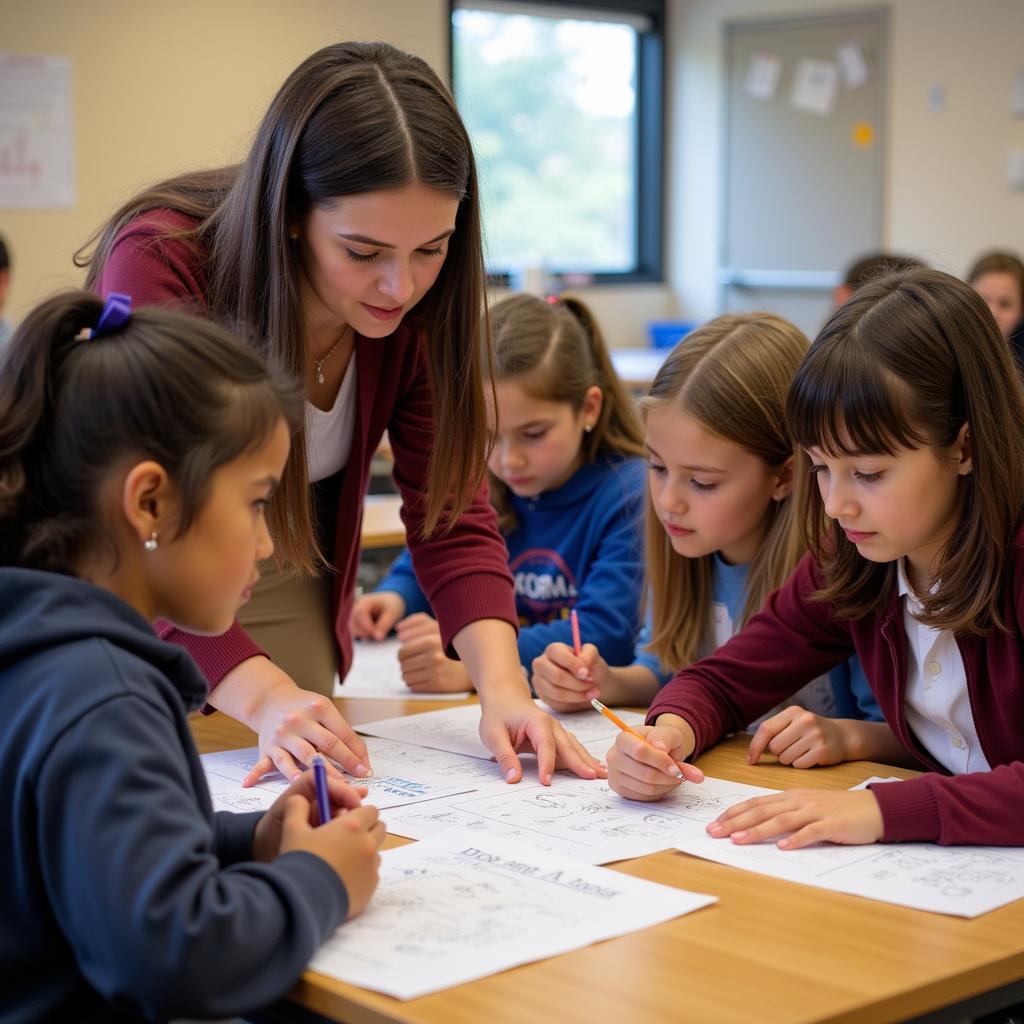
569 678
647 762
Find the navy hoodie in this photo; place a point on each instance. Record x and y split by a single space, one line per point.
125 896
577 546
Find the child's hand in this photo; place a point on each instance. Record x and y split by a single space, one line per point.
565 682
266 839
425 666
374 615
800 738
650 770
349 843
809 815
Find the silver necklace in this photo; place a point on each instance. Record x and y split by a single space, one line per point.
318 364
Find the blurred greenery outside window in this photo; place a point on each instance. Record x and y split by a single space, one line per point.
563 103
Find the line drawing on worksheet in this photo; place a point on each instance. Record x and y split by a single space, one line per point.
578 818
396 781
460 906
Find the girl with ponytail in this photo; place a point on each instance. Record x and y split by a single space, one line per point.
138 453
566 479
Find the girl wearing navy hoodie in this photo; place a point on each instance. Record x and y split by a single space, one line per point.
908 410
137 456
567 482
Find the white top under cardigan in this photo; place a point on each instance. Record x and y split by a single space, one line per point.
329 434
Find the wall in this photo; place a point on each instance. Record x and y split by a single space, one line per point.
946 195
162 88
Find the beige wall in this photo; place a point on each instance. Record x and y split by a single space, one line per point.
160 88
946 195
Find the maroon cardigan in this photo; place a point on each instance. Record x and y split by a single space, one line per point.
464 573
794 638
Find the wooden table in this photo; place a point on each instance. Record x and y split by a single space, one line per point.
767 951
382 524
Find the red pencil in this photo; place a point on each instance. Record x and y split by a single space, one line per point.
575 620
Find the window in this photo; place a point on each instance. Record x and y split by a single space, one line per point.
563 102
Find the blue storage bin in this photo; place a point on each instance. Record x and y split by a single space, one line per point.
665 333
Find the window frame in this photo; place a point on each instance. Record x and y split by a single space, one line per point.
649 138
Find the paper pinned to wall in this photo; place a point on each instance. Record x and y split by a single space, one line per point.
37 166
815 86
853 64
763 74
461 906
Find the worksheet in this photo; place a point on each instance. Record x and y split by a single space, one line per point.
376 674
396 781
461 906
457 729
965 881
575 817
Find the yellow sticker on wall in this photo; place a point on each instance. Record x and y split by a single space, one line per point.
863 134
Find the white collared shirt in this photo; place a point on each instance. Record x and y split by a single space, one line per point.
329 434
937 704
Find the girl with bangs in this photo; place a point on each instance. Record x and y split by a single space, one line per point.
908 409
722 532
347 248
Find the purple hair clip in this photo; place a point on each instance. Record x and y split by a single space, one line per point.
116 311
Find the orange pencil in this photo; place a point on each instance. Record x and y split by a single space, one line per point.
614 718
575 620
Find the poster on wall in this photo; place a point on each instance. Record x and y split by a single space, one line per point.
815 86
37 158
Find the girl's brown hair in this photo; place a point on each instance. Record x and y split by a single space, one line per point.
554 350
906 363
732 375
165 386
352 118
999 263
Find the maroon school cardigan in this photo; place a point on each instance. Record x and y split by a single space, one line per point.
464 573
794 638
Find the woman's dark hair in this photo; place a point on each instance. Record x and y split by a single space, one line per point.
555 351
906 363
165 386
352 118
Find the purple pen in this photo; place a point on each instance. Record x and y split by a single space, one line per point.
323 800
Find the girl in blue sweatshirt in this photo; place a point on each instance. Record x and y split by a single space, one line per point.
138 452
722 531
567 482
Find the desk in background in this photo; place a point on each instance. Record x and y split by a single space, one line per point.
382 524
637 367
768 950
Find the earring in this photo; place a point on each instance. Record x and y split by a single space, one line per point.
152 544
589 427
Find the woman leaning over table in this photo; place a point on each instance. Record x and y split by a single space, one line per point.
347 247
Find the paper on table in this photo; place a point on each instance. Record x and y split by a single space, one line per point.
396 780
461 906
576 818
965 881
457 729
376 674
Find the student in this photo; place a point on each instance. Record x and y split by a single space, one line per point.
135 466
722 530
998 277
567 482
347 246
910 417
868 267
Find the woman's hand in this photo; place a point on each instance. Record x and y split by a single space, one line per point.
510 725
266 839
808 815
800 738
425 666
374 615
292 724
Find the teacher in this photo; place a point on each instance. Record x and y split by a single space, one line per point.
347 248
